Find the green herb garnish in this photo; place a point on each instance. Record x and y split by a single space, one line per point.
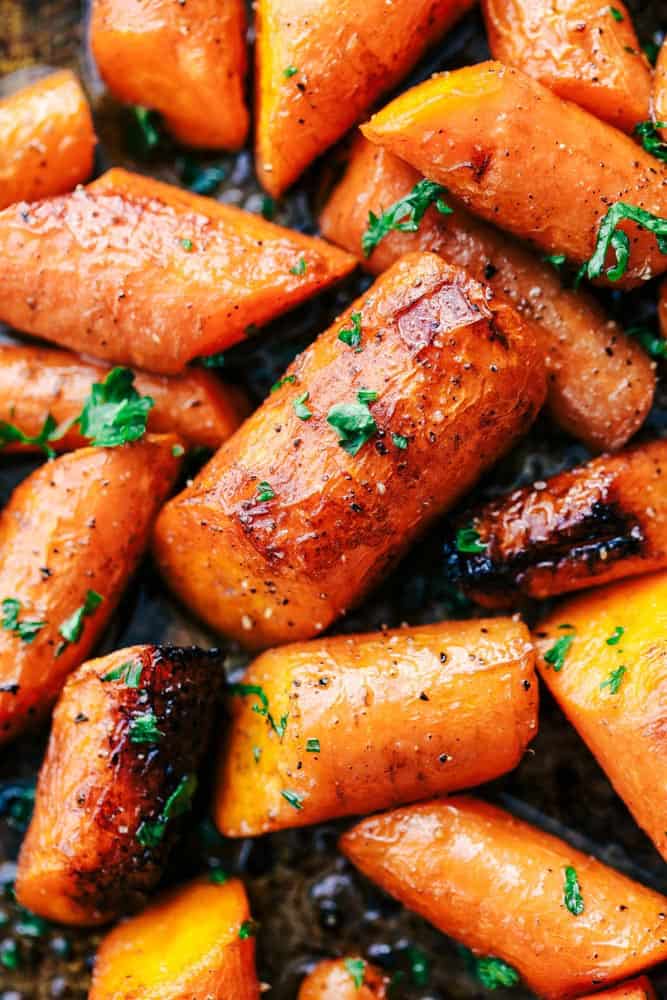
51 431
187 244
557 260
9 954
245 690
468 540
300 408
313 746
129 673
144 728
218 876
614 681
268 207
248 929
290 71
655 346
143 133
357 969
265 491
201 178
404 215
211 360
25 630
495 974
72 627
651 139
285 380
294 799
555 656
352 335
616 14
299 268
610 237
354 422
150 833
420 969
572 893
399 441
114 413
616 636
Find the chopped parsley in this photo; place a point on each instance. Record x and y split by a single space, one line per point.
399 441
610 237
614 681
352 335
404 215
257 754
129 673
616 636
572 893
265 491
294 799
468 540
495 974
211 360
285 380
367 395
144 728
557 260
651 139
114 412
420 969
300 408
299 268
313 746
202 178
218 876
290 71
72 627
143 132
10 434
9 954
555 656
256 690
187 244
268 207
357 969
25 630
354 422
655 347
177 450
17 801
247 929
150 833
616 14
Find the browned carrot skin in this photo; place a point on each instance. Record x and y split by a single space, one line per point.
333 980
77 524
601 383
659 95
599 522
162 276
498 885
395 716
637 989
82 861
458 375
583 50
47 139
36 381
531 163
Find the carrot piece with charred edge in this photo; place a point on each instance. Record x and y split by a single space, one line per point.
190 944
47 139
458 377
36 381
531 163
637 989
186 60
361 723
162 275
601 383
610 685
103 823
659 95
76 526
322 65
593 524
585 51
502 888
336 979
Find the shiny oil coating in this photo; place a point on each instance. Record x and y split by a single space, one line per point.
143 273
601 383
519 156
321 64
186 60
78 523
497 885
577 48
184 946
458 374
47 139
625 730
659 94
637 989
332 980
398 716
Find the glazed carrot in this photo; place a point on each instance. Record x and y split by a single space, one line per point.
344 979
320 67
70 536
186 60
607 672
637 989
584 50
662 309
566 922
190 944
356 724
659 94
601 383
47 139
325 485
105 820
599 522
162 275
522 158
36 381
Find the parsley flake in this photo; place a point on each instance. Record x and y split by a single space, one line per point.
468 541
72 627
495 974
211 360
357 969
300 408
114 413
187 244
616 636
404 215
177 450
655 347
651 139
420 969
285 380
201 178
610 237
11 434
354 422
265 491
218 876
256 690
144 729
313 746
572 893
290 71
129 673
299 268
614 681
616 14
9 954
399 441
25 630
294 799
555 656
248 929
352 335
557 260
150 833
143 132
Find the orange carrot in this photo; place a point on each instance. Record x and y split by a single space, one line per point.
659 95
344 979
662 309
637 989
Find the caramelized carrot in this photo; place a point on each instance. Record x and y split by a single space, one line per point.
356 724
36 381
607 670
601 383
659 94
637 989
47 139
105 820
332 478
162 276
344 979
566 922
321 66
186 60
522 158
584 50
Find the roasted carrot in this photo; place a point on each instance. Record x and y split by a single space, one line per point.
355 724
47 139
193 943
565 921
105 819
361 448
162 275
662 309
584 50
596 523
36 381
186 60
600 384
538 166
70 536
320 68
345 979
603 660
637 989
659 94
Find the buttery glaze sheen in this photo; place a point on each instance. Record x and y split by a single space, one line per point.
637 989
624 722
531 163
78 523
332 980
591 525
162 275
81 861
600 382
184 946
458 375
322 64
47 139
397 716
497 885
